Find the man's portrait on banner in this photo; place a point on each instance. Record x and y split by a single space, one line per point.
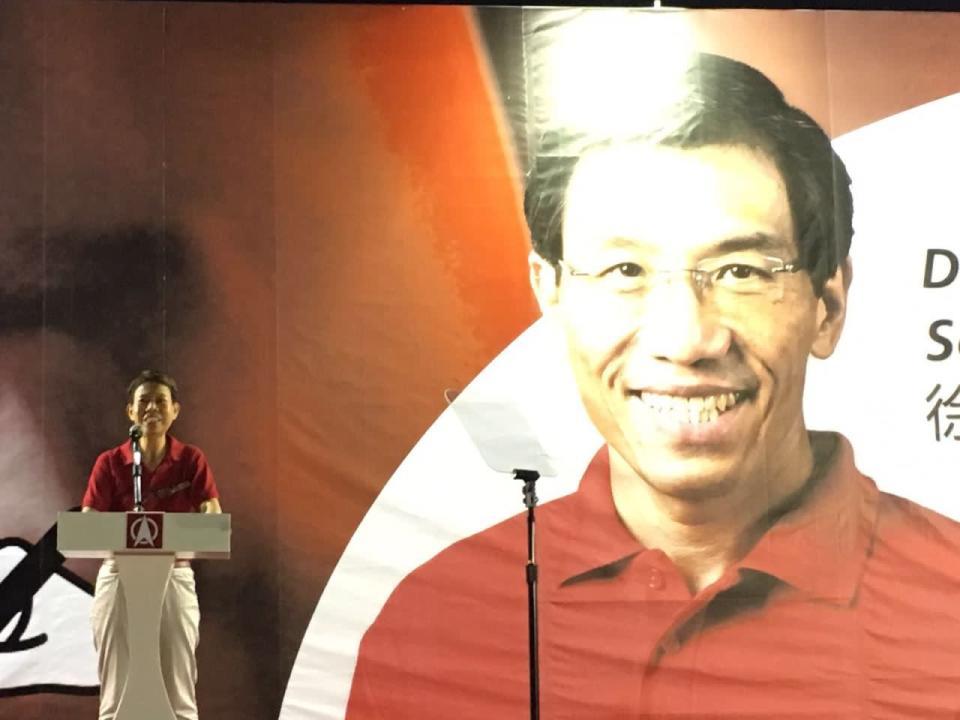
719 558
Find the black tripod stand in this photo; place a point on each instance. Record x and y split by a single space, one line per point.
529 478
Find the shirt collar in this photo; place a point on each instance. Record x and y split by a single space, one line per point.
174 450
820 547
591 533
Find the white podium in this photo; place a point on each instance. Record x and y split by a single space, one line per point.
144 546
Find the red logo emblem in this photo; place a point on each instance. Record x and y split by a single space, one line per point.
145 531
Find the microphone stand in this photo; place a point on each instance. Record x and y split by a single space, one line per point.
135 434
529 478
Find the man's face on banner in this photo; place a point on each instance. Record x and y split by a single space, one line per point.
694 378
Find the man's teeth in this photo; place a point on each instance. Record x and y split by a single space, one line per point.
692 410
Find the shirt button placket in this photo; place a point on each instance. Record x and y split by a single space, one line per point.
655 579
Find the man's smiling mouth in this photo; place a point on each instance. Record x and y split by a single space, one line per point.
694 409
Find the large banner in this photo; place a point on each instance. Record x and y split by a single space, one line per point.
698 269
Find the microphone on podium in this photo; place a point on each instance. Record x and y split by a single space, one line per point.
136 432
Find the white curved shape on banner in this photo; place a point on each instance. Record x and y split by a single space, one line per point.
906 171
442 491
873 390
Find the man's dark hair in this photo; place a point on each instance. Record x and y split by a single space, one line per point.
723 102
152 376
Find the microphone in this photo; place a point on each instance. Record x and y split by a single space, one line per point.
136 432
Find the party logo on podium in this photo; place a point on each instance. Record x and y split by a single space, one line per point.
145 530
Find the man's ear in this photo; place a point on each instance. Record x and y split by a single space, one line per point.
544 279
175 407
832 311
131 413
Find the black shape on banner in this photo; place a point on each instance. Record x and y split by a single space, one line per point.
17 590
22 583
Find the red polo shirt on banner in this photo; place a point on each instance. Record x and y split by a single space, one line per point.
848 607
180 483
